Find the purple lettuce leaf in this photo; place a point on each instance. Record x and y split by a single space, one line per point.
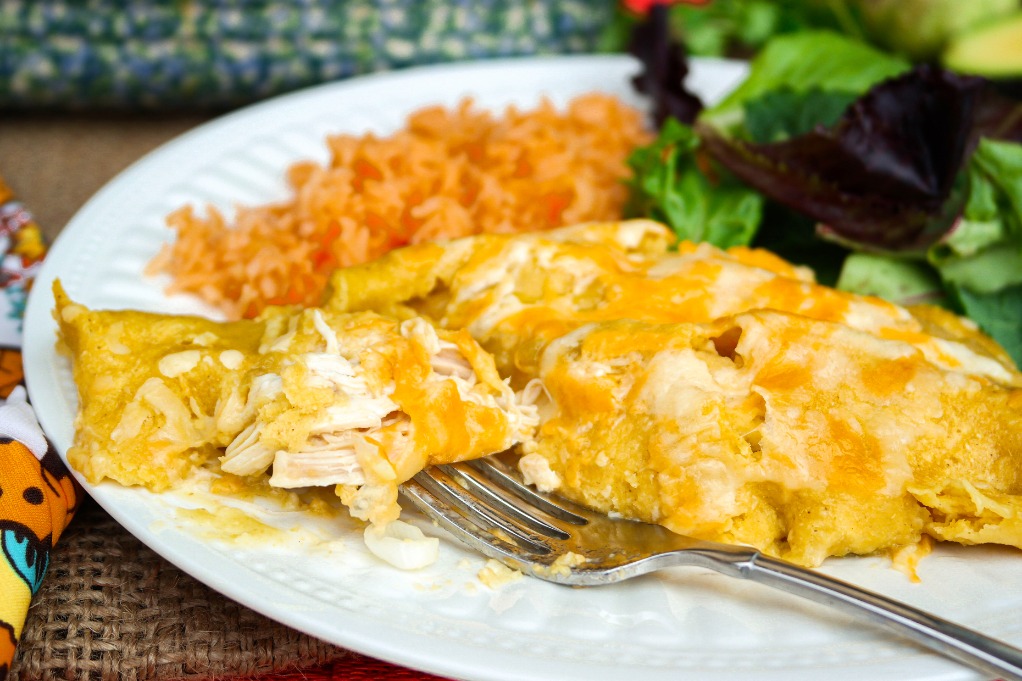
884 176
665 69
997 117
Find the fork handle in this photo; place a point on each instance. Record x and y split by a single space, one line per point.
947 638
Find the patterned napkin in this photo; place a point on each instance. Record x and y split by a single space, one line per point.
38 497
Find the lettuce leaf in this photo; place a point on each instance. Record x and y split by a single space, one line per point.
983 252
998 117
802 62
784 113
673 182
902 281
999 314
664 69
729 28
884 177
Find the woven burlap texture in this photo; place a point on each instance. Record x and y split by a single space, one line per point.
110 608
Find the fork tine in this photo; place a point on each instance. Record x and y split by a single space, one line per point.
439 495
479 480
450 519
505 478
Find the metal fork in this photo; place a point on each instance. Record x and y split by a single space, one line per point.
485 504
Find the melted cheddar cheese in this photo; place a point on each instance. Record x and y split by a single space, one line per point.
726 395
515 294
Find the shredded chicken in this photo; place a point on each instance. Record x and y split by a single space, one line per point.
449 362
360 428
329 459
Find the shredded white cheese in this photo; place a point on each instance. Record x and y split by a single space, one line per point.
231 359
536 471
402 545
178 363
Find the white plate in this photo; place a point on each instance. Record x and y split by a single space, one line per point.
443 620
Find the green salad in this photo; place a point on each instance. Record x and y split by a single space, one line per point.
889 176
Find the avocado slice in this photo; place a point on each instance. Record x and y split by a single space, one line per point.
993 50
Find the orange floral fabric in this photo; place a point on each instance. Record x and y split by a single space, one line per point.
38 497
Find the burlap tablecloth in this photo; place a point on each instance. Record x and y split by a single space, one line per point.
109 607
